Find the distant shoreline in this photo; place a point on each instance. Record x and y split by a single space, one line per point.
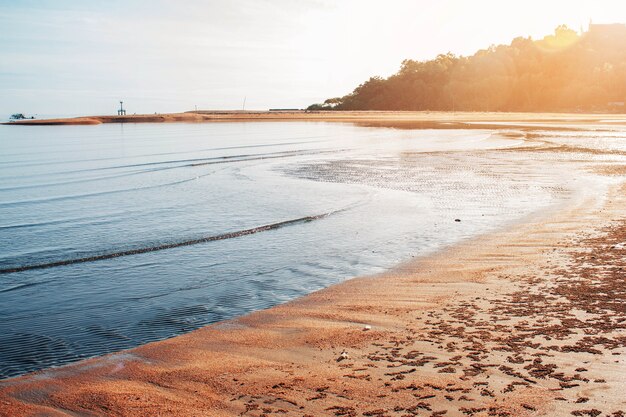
201 116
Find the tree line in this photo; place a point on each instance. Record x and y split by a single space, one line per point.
565 71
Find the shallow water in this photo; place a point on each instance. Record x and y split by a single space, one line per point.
124 234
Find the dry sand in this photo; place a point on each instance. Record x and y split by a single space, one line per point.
527 321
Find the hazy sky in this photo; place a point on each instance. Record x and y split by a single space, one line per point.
82 57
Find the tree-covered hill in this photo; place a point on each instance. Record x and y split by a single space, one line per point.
566 71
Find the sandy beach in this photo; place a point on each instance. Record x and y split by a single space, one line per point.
529 320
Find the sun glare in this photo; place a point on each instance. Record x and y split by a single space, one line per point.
563 38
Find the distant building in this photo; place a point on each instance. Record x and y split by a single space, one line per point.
121 111
609 30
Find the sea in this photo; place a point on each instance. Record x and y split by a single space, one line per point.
115 235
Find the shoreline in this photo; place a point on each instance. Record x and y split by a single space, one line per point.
289 359
426 119
493 325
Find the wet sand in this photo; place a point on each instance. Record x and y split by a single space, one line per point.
526 321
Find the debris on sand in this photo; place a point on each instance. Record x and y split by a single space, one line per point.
343 356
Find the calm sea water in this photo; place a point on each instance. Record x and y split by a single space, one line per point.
78 202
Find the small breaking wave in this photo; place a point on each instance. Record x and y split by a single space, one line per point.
171 245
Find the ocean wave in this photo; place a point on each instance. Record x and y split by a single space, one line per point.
171 245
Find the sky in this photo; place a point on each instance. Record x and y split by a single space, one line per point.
66 57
